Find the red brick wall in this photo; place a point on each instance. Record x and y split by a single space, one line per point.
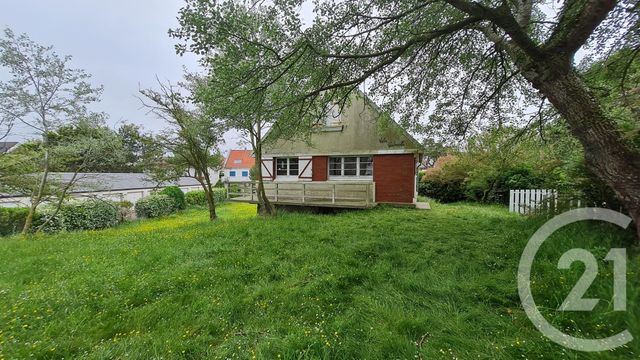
394 176
319 170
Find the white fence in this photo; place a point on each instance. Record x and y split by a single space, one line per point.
530 201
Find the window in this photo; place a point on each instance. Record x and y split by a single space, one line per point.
232 173
287 166
333 116
245 173
351 166
237 161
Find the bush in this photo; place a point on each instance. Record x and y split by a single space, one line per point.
89 215
177 195
444 191
78 215
124 210
155 205
198 198
12 220
444 181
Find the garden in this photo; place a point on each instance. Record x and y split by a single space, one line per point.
381 283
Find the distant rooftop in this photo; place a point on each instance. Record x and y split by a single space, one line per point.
240 159
6 146
93 182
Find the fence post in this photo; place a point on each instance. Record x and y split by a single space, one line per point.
251 190
276 196
304 189
333 194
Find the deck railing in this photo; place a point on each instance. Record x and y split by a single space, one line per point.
326 193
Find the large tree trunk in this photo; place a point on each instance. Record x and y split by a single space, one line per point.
607 153
265 207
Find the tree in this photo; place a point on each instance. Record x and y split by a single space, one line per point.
138 146
464 60
81 140
192 139
42 95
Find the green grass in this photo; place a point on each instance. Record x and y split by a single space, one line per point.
379 284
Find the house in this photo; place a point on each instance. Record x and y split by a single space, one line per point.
238 166
358 158
7 146
107 186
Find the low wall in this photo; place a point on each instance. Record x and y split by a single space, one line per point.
131 195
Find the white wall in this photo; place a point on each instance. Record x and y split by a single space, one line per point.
238 177
120 195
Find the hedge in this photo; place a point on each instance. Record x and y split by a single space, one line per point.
177 195
90 214
198 198
155 205
12 220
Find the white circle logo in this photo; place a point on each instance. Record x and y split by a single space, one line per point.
574 301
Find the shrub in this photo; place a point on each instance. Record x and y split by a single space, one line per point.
78 215
124 210
177 195
89 215
445 191
444 181
155 205
12 220
198 198
52 223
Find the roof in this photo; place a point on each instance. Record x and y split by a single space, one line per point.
363 129
240 159
6 146
94 182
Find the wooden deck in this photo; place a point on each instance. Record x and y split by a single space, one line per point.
339 194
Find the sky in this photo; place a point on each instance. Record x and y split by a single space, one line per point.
122 43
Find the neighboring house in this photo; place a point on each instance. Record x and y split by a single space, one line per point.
108 186
355 159
7 146
238 166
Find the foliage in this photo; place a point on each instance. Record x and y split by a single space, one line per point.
192 137
88 146
616 82
155 205
12 220
199 197
91 214
444 181
140 148
44 94
495 162
347 278
177 195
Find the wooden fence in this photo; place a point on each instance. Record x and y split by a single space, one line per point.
330 193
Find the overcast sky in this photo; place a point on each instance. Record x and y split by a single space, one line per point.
122 43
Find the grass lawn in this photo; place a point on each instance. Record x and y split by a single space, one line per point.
379 284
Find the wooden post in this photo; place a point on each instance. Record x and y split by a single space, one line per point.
276 191
333 194
367 195
304 188
251 190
